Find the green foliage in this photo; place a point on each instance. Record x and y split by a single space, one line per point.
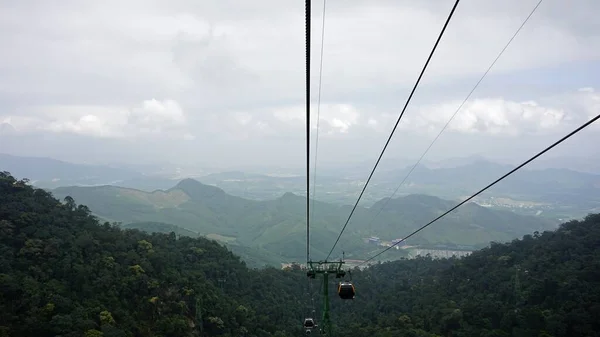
160 227
62 273
543 285
93 333
273 231
254 257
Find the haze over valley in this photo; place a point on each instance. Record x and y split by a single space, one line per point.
261 216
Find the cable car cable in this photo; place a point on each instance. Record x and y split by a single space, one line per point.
455 113
307 14
311 299
397 122
588 123
318 113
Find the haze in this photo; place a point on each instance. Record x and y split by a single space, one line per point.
222 82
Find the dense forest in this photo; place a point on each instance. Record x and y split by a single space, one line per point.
63 273
547 284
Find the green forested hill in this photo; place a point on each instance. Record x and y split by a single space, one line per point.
64 274
278 226
254 257
160 227
543 285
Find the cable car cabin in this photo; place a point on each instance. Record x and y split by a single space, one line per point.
309 323
346 290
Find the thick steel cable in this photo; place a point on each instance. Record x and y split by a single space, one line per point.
396 125
588 123
455 113
307 13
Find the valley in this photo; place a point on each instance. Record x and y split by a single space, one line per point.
272 231
261 216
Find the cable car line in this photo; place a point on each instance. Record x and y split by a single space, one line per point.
309 320
318 112
397 122
588 123
456 112
307 14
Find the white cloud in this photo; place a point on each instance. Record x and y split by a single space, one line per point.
234 71
90 125
156 115
243 118
332 118
149 117
492 116
189 48
589 100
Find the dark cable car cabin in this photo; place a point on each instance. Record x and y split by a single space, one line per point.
346 290
309 323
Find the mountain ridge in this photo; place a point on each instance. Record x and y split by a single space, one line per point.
278 225
558 193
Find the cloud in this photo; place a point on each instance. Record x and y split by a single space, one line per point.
493 116
230 74
150 117
85 125
153 115
588 100
332 118
6 129
188 48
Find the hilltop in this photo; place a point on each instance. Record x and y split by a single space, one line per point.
278 226
550 189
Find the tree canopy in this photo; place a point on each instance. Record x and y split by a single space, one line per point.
63 273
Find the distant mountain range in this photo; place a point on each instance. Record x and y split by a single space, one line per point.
556 193
564 189
278 227
52 173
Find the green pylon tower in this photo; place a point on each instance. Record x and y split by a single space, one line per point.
325 268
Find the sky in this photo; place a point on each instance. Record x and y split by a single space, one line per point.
222 83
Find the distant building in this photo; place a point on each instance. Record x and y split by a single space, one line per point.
438 253
374 240
395 241
293 266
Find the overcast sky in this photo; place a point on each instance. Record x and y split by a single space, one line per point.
222 82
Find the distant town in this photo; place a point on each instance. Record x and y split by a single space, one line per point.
417 250
412 252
